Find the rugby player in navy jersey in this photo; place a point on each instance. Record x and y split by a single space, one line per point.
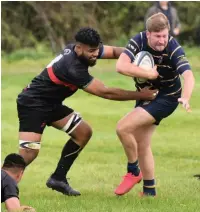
136 128
40 103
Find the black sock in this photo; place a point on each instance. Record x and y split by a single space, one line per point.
133 168
149 187
69 154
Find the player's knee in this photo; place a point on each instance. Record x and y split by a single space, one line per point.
119 130
122 129
84 133
87 133
29 154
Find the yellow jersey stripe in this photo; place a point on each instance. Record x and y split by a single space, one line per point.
153 186
169 94
169 79
182 65
174 51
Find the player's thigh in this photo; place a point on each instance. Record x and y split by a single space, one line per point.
63 118
71 122
31 126
135 119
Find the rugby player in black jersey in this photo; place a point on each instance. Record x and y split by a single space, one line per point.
136 128
11 174
40 103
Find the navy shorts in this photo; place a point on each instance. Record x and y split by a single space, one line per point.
33 120
161 107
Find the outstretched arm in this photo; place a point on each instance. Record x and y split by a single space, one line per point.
112 52
97 88
187 89
13 205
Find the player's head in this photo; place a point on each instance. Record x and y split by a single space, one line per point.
87 45
15 165
157 27
164 4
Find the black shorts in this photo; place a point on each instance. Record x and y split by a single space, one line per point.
161 107
33 120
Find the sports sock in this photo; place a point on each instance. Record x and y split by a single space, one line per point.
133 168
149 187
69 154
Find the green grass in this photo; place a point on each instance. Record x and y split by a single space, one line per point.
99 168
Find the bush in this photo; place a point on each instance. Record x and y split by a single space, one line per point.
41 51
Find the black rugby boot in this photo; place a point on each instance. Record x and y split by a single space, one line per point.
61 186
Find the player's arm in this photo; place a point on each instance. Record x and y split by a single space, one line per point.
188 86
126 67
97 88
112 52
180 62
125 63
13 205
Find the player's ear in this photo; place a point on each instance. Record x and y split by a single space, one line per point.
148 34
19 175
79 49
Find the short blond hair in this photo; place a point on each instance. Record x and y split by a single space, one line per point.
157 23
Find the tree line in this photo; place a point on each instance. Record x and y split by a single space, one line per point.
25 24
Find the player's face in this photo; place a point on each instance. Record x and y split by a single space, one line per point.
158 40
90 54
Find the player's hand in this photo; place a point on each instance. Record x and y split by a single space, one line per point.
176 31
27 209
153 73
185 104
23 208
148 94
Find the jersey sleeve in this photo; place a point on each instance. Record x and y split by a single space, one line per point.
79 76
177 56
133 47
101 51
10 190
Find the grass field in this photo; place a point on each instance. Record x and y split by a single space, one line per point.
98 170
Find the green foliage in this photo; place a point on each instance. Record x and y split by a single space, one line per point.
54 23
39 52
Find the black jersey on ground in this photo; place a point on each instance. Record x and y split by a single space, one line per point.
171 62
9 187
59 80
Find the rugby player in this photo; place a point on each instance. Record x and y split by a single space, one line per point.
40 103
136 128
11 174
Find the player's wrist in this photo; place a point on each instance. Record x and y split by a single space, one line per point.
185 98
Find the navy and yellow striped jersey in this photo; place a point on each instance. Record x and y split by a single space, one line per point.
171 63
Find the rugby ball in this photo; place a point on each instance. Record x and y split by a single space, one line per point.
145 61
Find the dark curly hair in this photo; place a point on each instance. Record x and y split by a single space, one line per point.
88 36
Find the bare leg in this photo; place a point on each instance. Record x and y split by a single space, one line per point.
143 137
127 127
126 130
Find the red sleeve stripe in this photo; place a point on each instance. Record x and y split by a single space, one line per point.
54 79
